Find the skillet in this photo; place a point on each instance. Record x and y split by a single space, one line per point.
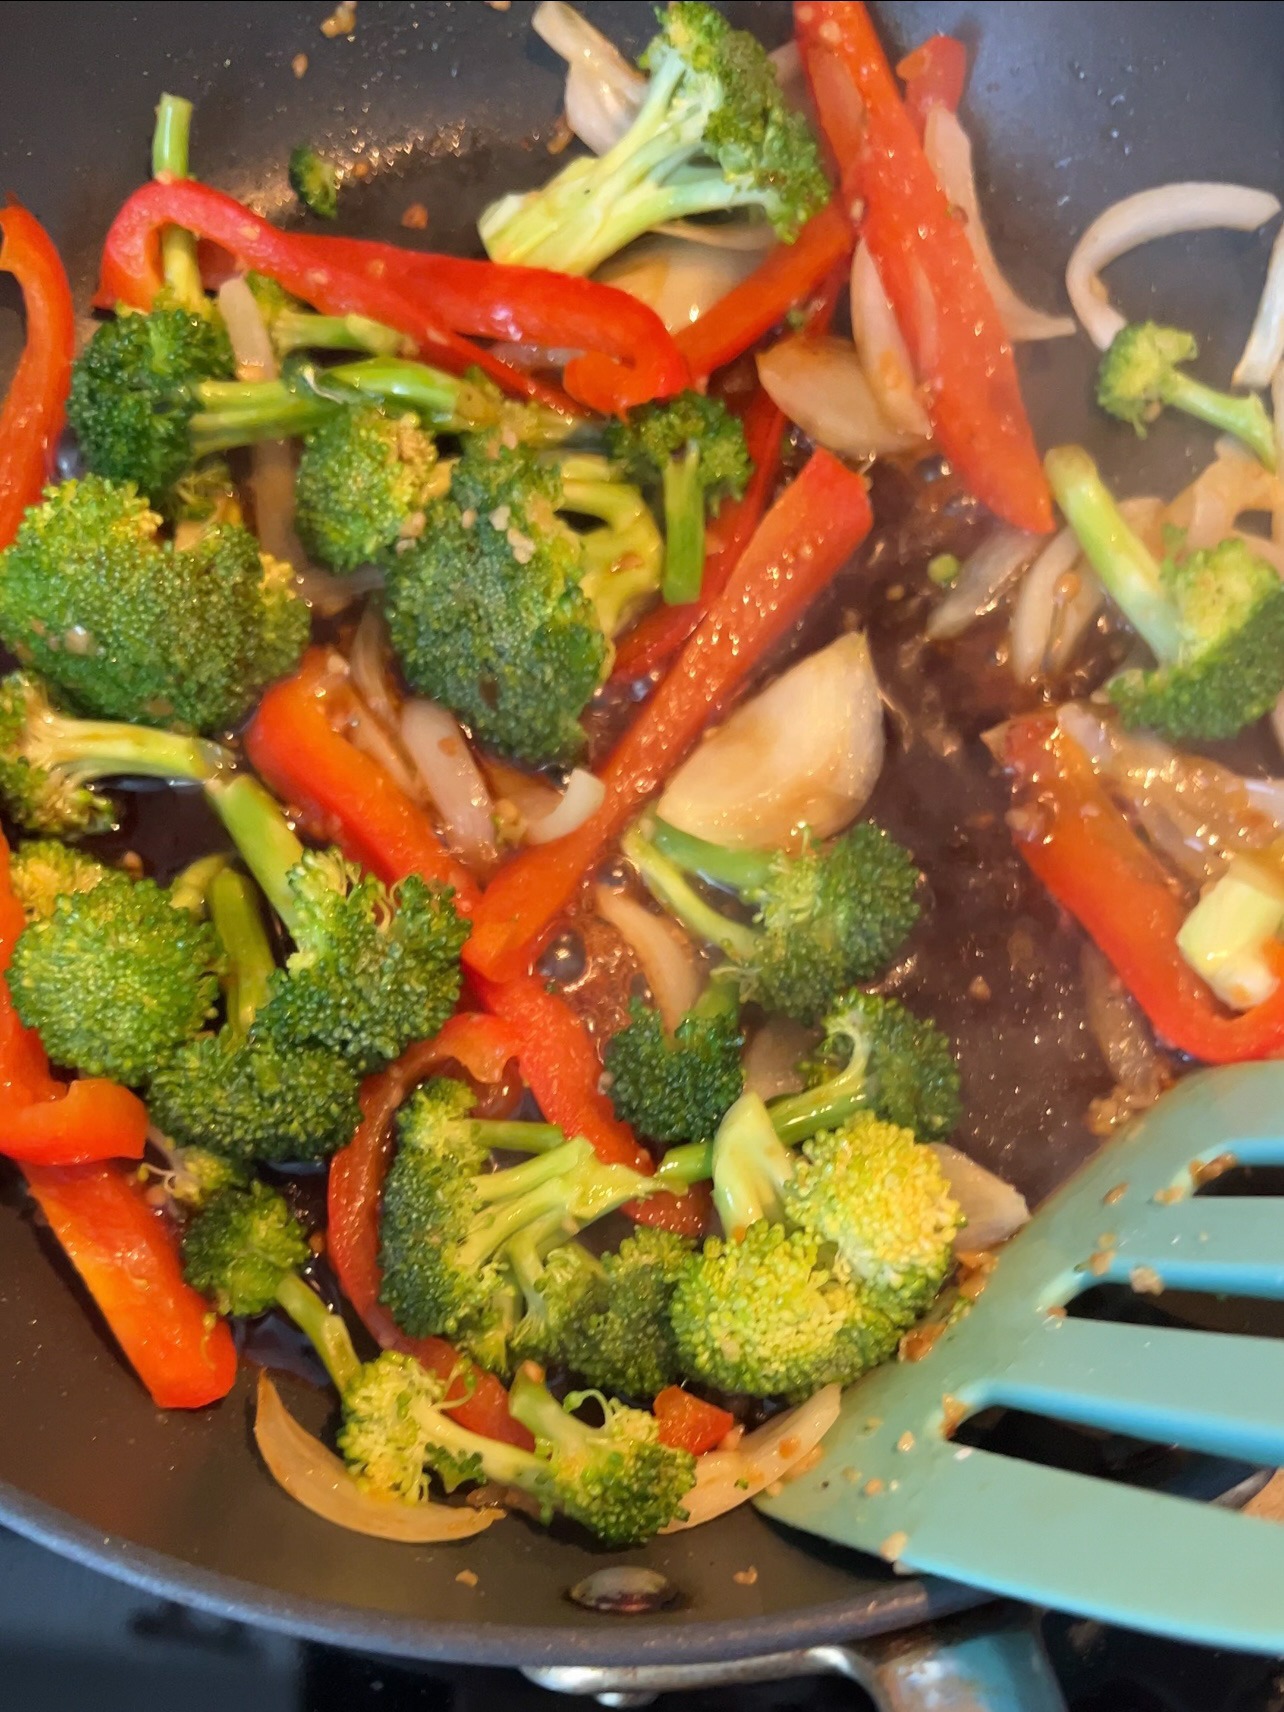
1072 106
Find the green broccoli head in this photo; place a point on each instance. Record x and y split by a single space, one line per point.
134 391
395 1434
882 1202
764 1313
252 1099
690 422
194 1175
486 612
364 481
676 1087
1228 669
41 871
130 628
240 1246
1140 374
116 978
374 967
315 182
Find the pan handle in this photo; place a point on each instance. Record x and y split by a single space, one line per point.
989 1661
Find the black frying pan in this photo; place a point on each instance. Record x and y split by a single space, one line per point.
1073 105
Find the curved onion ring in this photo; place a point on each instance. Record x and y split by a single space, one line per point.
663 951
1264 350
986 573
726 1479
315 1478
583 796
1157 213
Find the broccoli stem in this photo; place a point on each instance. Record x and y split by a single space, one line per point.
324 1329
261 833
517 1180
528 1250
498 1227
1245 417
534 1405
89 749
303 330
685 1165
169 161
670 887
518 1136
1119 558
444 401
683 528
750 1166
238 413
739 870
238 921
190 889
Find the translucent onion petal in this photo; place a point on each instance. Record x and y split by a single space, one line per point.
820 384
603 91
884 355
804 752
443 760
314 1476
663 951
771 1058
726 1479
679 280
991 1208
949 149
246 330
1058 598
1235 482
583 796
1265 348
1157 213
982 582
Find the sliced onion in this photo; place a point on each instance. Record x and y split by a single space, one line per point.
1235 482
1157 213
314 1476
991 1208
528 795
884 355
1120 1030
1058 598
603 91
726 1479
663 951
949 149
819 384
804 753
368 663
246 330
791 76
1271 551
751 236
440 753
369 734
679 280
583 796
1277 412
772 1056
982 582
1265 348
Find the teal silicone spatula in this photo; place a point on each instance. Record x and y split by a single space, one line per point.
893 1482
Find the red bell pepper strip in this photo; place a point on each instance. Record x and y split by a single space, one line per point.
787 277
357 1172
1081 846
933 75
342 796
44 1121
653 642
955 335
628 355
127 1258
804 540
689 1423
31 419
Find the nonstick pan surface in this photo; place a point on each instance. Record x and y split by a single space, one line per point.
1072 107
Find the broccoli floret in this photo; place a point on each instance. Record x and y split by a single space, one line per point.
694 450
713 133
364 482
193 1175
130 628
876 1054
239 1093
677 1087
373 967
447 1219
315 182
49 761
41 871
823 1259
115 978
244 1249
503 612
1214 620
607 1320
870 1190
823 919
616 1479
1139 375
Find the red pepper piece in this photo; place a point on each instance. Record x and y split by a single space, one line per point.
125 1254
933 75
787 277
1083 849
689 1423
956 338
356 1179
32 417
805 539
